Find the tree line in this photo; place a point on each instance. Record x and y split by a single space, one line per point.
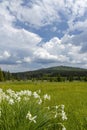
44 76
5 75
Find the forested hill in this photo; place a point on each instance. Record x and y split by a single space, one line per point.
53 73
62 68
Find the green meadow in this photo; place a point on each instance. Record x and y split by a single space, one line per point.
72 94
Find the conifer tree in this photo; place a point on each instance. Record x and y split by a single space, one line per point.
1 75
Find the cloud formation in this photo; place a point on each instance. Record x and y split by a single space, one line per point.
41 33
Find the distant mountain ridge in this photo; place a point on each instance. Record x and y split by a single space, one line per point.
68 68
53 72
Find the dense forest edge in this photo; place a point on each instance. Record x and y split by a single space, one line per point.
52 74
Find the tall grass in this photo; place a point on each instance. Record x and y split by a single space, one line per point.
27 110
72 94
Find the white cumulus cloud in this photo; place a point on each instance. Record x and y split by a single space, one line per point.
19 46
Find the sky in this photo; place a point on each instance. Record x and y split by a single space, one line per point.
42 33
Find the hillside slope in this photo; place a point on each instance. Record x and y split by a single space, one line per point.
46 73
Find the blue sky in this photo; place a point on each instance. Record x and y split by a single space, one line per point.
42 33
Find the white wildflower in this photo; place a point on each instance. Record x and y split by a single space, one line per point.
40 101
28 93
62 106
56 107
63 128
18 99
36 95
10 92
46 96
11 101
63 116
30 117
24 93
6 97
56 115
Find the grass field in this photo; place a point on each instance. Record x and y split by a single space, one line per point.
72 94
